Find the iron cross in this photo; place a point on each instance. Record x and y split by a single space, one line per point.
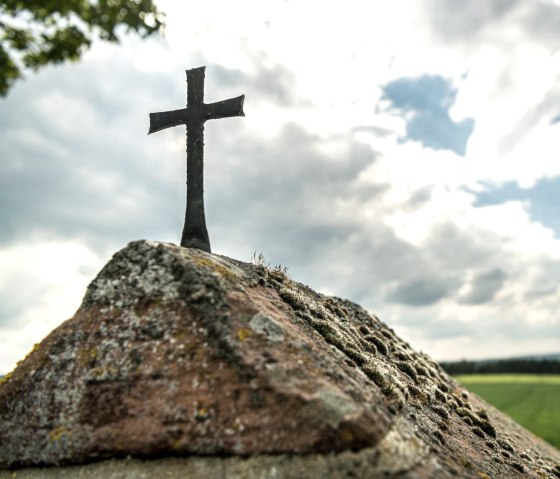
195 234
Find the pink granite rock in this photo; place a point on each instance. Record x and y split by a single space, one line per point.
177 352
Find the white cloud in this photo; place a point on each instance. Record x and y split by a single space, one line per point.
315 176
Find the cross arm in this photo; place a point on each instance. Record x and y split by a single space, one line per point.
166 119
224 109
220 109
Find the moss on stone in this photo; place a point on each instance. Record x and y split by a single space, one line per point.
58 433
379 343
407 368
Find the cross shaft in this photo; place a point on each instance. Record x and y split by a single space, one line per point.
195 234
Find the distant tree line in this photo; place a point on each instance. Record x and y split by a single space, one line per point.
516 365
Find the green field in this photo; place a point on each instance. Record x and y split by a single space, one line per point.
533 400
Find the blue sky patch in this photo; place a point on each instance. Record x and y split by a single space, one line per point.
429 98
544 200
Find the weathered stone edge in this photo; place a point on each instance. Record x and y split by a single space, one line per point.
364 463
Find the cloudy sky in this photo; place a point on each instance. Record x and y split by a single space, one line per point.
400 154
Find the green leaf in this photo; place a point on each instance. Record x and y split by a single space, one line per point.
17 38
10 72
64 44
55 31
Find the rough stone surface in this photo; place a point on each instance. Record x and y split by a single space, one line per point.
181 363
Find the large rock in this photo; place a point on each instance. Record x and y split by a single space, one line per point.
228 369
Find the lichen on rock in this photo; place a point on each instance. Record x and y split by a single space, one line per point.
178 352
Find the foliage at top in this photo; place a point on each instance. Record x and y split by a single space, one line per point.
36 33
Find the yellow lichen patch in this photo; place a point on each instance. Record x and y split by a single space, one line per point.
5 378
243 333
180 335
483 475
201 412
86 356
35 348
56 434
346 435
99 371
177 444
218 268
